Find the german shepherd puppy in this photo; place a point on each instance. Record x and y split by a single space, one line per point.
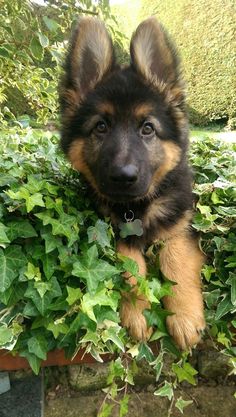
126 130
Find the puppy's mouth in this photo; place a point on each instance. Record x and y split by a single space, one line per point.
125 193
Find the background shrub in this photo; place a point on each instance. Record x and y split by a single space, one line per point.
32 45
205 34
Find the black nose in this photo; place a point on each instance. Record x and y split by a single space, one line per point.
124 174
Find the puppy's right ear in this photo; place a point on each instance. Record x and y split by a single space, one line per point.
90 58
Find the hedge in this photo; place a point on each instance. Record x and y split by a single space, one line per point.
204 31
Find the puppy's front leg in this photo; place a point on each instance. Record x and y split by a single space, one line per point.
181 261
133 304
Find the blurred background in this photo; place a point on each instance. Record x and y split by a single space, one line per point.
34 34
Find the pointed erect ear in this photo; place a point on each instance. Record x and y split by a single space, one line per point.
155 59
90 56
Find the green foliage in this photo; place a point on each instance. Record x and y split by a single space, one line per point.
33 39
60 278
214 164
204 32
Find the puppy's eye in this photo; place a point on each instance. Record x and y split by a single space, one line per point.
101 127
147 129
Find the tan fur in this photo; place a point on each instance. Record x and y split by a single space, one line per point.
149 43
181 261
142 110
133 304
76 158
93 35
156 209
145 40
172 154
106 108
71 99
180 228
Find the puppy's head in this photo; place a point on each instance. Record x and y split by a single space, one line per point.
124 129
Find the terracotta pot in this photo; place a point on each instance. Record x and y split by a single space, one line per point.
57 357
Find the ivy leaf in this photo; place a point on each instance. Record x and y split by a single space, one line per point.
161 289
93 270
124 403
49 264
38 346
6 335
129 264
42 288
145 352
30 310
165 391
13 294
34 200
65 226
33 360
58 328
99 233
224 307
74 294
33 272
116 370
112 334
20 228
10 262
103 297
82 321
158 365
106 410
182 404
185 372
51 242
3 236
90 336
42 303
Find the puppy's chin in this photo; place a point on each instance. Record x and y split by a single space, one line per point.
124 193
125 196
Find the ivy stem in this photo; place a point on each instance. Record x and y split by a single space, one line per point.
5 312
171 406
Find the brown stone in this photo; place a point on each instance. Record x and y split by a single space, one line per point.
213 364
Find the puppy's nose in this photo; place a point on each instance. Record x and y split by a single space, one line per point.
124 174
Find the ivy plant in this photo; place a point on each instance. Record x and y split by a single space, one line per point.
61 279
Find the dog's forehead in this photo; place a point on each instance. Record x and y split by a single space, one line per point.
123 93
137 110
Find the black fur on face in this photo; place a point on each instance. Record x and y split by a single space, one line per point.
126 129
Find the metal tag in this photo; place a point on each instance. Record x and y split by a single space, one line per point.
131 227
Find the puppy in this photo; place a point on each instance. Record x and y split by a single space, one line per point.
126 130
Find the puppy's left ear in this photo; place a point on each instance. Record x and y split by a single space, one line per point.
154 57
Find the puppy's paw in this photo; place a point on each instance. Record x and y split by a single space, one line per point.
132 317
185 329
